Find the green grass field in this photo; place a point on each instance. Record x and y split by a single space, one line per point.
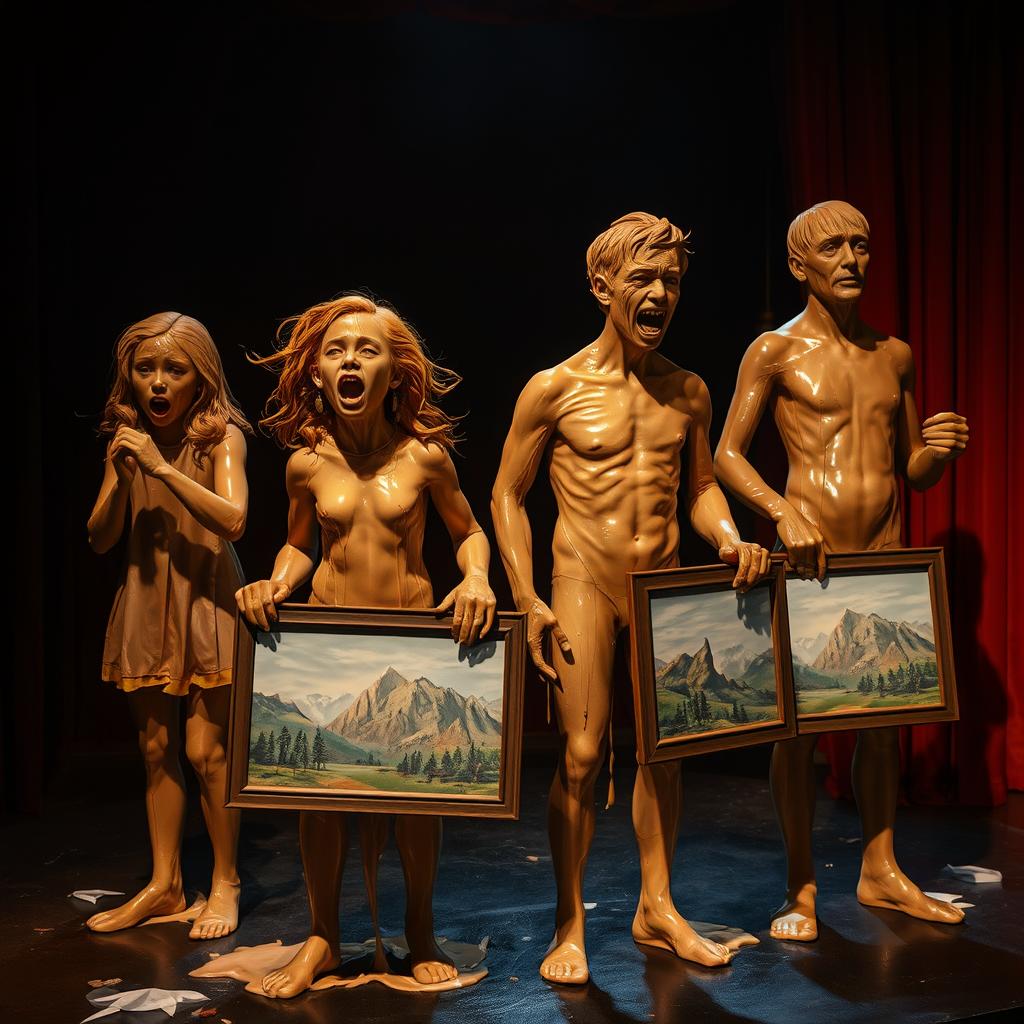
669 701
816 702
360 778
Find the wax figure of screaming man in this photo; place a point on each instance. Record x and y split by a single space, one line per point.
615 418
842 398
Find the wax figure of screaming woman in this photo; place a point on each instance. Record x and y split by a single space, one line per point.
175 470
356 400
842 396
615 419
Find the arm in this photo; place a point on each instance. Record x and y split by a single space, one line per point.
295 561
805 546
107 518
473 598
532 425
223 510
924 453
709 511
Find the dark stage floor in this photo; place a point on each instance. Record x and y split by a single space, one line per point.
868 965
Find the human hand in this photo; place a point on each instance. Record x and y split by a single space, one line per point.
539 619
805 546
124 464
258 601
140 447
945 434
751 560
474 609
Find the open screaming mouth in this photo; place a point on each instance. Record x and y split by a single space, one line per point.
159 406
351 388
650 321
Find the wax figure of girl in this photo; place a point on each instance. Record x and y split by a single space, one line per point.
356 400
175 469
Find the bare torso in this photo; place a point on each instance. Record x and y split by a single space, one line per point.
372 513
614 467
835 406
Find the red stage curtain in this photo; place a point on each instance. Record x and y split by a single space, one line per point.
910 112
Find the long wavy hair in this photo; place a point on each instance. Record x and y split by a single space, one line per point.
213 408
290 415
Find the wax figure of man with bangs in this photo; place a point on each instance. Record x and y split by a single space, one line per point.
842 398
615 419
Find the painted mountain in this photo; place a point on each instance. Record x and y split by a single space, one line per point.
270 713
689 675
320 708
733 661
806 650
868 643
396 716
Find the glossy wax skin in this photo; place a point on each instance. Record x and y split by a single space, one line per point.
356 515
616 418
841 395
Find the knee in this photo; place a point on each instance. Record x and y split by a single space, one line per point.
157 749
206 758
582 761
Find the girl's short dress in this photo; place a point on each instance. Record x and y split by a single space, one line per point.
173 620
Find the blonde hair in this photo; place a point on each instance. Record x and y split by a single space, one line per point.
627 237
290 414
833 217
213 408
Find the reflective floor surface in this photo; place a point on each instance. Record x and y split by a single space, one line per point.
495 880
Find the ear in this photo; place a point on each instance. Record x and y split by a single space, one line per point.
602 290
796 268
314 375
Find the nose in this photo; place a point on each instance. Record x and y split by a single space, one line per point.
846 254
350 359
158 382
657 290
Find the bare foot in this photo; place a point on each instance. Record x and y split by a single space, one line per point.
795 920
315 957
668 930
220 917
152 901
429 964
892 890
565 963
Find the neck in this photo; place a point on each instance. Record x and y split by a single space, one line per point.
363 435
167 436
613 353
839 320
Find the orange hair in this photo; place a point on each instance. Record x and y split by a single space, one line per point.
213 408
290 414
833 217
628 237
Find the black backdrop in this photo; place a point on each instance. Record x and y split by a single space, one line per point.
239 163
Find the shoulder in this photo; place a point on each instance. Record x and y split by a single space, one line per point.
900 353
233 441
302 463
770 350
539 400
430 456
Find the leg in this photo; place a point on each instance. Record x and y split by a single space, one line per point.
419 844
582 705
657 799
323 839
876 763
205 737
156 718
373 837
792 784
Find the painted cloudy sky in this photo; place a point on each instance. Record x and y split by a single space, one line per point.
681 621
332 664
899 596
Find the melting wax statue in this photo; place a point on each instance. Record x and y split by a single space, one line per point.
355 399
616 418
842 398
176 469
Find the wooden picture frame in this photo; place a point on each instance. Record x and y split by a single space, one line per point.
669 608
312 664
889 602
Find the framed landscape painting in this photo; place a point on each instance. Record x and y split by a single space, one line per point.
377 710
710 665
871 645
